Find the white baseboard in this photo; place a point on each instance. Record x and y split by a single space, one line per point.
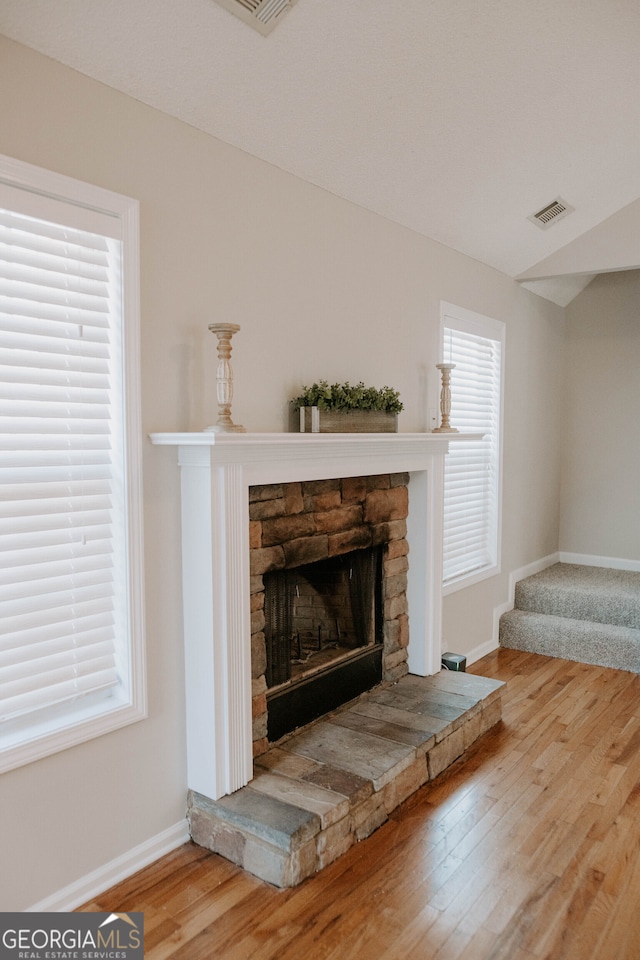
613 563
95 883
481 651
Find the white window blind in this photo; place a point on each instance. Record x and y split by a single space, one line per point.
472 468
64 559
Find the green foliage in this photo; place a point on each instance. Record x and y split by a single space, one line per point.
342 396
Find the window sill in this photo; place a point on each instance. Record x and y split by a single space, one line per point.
19 747
469 579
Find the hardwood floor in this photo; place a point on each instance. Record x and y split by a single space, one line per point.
527 848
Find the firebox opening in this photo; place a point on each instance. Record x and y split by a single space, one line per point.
324 634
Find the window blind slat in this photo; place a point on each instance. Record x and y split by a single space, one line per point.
57 651
74 551
17 254
55 320
64 613
85 668
34 588
44 350
58 688
56 630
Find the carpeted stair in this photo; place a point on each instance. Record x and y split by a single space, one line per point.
588 614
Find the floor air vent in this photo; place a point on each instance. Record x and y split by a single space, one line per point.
551 213
262 15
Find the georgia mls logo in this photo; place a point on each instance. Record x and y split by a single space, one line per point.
71 936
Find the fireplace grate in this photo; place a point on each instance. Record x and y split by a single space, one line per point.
278 633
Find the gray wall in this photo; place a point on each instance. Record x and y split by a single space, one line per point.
600 514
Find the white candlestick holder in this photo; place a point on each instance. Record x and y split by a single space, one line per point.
224 379
445 399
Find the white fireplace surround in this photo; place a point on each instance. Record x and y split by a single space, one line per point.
216 472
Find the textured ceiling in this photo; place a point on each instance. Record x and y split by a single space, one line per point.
455 118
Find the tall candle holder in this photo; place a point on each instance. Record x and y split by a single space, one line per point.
224 379
445 399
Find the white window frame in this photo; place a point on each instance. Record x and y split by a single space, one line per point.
66 725
468 321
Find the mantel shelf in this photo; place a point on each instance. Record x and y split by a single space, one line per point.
409 450
303 440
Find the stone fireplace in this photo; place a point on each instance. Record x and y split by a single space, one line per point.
226 690
329 566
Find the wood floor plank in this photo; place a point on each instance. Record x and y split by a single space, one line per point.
525 849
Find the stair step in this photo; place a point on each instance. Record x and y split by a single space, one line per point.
595 594
601 644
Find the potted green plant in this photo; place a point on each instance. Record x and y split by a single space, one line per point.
347 408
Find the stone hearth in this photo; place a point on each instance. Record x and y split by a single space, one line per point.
330 785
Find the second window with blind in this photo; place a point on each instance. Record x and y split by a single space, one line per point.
473 468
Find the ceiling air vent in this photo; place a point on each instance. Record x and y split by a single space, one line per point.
551 213
262 15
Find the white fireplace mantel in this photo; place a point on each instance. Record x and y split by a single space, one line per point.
217 469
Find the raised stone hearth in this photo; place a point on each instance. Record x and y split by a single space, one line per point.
330 785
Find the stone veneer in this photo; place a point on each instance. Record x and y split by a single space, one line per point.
330 785
291 524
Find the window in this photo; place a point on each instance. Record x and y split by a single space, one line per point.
71 613
472 480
